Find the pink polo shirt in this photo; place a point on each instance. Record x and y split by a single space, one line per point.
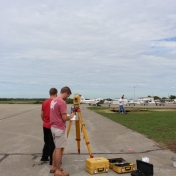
57 108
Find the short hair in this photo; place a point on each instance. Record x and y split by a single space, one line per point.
66 90
53 91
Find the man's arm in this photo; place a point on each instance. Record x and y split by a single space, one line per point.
66 118
42 115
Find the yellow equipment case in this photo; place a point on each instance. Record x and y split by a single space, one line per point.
120 165
97 165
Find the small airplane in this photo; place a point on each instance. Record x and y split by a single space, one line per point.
131 102
146 100
160 102
136 102
141 101
94 102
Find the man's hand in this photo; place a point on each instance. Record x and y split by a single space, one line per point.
65 117
72 110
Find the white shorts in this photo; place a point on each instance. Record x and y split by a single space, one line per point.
59 137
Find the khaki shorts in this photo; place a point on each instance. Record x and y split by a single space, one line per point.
59 137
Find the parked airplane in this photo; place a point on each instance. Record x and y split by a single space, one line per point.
107 102
160 102
136 102
141 101
131 102
94 102
149 100
128 102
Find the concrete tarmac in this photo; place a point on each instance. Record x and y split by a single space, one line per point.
21 143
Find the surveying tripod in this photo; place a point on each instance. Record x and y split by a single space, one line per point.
79 123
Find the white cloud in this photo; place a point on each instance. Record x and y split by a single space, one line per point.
98 48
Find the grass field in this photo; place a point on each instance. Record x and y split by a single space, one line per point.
157 125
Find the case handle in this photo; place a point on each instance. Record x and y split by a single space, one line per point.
98 159
127 168
100 169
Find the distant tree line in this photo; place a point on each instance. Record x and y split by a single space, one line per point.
171 97
22 99
36 100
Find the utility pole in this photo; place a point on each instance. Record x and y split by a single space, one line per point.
134 93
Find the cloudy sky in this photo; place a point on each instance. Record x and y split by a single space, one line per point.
99 48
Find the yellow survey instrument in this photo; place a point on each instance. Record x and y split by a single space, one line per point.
79 124
76 100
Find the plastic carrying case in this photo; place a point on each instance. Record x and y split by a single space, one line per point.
120 165
97 165
143 168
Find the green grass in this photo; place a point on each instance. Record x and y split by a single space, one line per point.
160 126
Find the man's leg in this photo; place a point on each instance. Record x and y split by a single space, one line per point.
120 109
51 147
57 159
53 160
53 167
60 141
45 152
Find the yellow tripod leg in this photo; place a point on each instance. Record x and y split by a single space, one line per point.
78 137
85 134
69 127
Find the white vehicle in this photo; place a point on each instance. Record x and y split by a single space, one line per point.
94 102
174 101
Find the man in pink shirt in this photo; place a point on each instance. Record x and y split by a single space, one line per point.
58 118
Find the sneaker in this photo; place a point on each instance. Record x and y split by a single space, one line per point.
44 159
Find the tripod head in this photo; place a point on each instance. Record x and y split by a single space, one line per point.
76 100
